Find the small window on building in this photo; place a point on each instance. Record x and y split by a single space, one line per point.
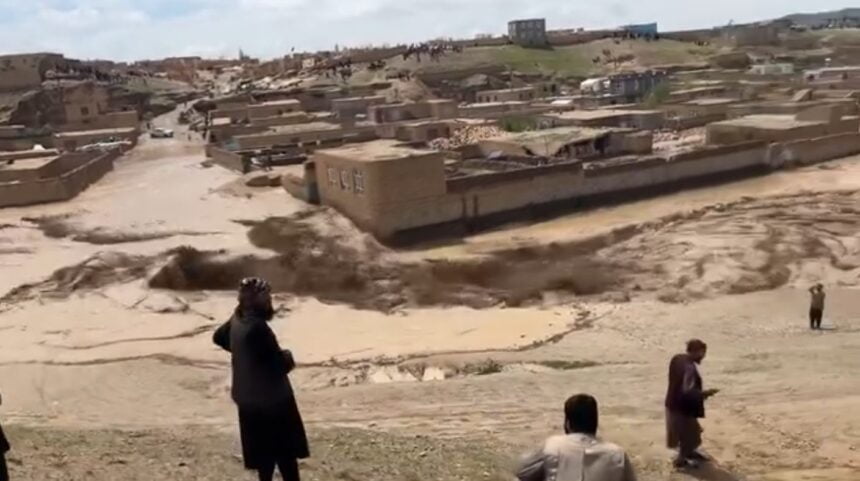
358 180
345 181
332 176
85 111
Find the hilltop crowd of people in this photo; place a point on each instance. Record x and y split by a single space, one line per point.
433 50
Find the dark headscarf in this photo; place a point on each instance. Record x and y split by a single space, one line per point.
254 300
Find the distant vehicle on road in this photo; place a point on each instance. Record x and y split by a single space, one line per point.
161 133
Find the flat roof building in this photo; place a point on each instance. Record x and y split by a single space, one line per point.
308 136
848 106
350 107
496 110
25 166
814 123
571 142
627 87
369 182
423 130
26 71
641 30
521 94
274 108
772 69
74 140
36 177
528 33
400 112
639 119
248 112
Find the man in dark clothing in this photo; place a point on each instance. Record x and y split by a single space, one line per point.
685 405
816 306
270 425
4 448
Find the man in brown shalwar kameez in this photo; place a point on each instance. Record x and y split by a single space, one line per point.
685 405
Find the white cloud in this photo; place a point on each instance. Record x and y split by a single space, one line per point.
130 29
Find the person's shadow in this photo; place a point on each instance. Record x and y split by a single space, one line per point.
712 472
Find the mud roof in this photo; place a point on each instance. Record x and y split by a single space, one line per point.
28 163
493 104
514 89
548 142
78 133
296 128
377 151
16 155
713 101
357 98
277 102
769 121
600 113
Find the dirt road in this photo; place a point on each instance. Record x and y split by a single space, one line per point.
439 363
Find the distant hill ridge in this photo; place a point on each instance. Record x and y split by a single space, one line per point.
812 19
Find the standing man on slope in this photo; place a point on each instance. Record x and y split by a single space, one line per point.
270 425
816 306
685 405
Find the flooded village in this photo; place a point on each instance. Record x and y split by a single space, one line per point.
457 236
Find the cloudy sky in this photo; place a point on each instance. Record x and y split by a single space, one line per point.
136 29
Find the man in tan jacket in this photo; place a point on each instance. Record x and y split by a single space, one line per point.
578 455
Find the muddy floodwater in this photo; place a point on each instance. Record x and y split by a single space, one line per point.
459 350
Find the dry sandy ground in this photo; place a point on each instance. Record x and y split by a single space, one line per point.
443 362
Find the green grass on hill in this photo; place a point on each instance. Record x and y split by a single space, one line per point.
577 60
574 60
562 61
839 37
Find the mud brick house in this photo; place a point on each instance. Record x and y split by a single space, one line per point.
522 94
27 71
815 122
640 119
49 176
